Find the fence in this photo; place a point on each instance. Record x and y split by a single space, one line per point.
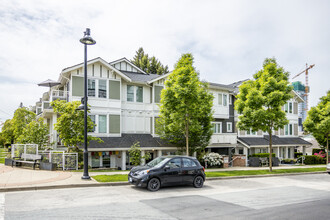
18 149
66 161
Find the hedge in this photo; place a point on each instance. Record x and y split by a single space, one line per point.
313 159
262 155
297 154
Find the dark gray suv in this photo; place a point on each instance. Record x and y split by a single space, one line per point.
166 171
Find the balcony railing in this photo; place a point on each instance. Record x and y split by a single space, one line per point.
59 94
225 138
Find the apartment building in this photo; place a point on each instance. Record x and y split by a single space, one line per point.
124 102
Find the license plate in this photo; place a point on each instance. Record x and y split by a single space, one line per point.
130 179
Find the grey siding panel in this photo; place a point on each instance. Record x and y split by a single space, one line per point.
295 108
158 90
114 89
77 86
295 129
114 124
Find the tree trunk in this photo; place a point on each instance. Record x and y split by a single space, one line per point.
187 138
270 151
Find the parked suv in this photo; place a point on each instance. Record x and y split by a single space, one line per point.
168 170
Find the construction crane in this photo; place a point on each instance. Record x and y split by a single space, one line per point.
306 83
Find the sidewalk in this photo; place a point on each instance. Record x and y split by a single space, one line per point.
17 178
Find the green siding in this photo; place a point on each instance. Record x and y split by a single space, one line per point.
77 86
158 90
114 89
114 122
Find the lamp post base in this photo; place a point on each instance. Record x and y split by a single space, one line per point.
85 177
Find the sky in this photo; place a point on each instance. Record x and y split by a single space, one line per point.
229 39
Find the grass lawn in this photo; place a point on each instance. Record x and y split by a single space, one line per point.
3 154
123 177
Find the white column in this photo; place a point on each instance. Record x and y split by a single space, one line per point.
245 152
54 131
123 160
101 160
159 153
143 161
89 159
304 150
286 152
278 152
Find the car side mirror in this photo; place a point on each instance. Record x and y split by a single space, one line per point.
167 167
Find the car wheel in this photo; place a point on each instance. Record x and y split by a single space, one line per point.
329 173
153 185
198 182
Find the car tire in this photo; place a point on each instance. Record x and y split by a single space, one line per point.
329 173
198 182
153 185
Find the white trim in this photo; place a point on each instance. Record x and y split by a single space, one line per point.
231 127
126 60
99 59
158 78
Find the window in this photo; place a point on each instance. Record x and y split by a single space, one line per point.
102 88
93 120
224 100
220 99
290 107
139 94
91 87
286 107
175 163
286 129
290 129
229 127
188 163
250 132
217 127
102 124
130 93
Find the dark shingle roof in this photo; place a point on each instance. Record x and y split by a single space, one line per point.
252 141
140 77
127 140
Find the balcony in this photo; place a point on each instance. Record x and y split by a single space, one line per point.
59 94
226 138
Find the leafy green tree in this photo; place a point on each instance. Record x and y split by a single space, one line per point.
22 117
35 132
149 65
135 156
7 133
70 123
318 122
186 108
260 100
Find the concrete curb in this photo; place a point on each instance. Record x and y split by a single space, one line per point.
32 188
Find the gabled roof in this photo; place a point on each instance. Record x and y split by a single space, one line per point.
159 77
126 60
220 86
98 59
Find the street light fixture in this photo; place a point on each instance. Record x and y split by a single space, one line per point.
86 40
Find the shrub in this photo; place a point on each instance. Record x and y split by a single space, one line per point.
313 159
297 154
316 150
213 159
289 160
262 155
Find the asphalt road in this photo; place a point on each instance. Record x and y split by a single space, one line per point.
289 197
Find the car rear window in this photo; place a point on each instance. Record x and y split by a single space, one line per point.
188 163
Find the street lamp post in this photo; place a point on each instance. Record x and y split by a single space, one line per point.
86 40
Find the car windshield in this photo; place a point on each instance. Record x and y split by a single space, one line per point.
158 162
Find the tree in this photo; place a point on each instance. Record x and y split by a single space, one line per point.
149 65
185 108
260 100
8 132
318 122
70 123
22 117
35 132
135 154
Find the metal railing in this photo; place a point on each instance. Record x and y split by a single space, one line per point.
18 149
65 161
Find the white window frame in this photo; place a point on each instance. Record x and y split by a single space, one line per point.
106 89
106 124
216 127
127 93
231 127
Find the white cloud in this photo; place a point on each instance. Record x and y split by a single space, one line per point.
229 39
